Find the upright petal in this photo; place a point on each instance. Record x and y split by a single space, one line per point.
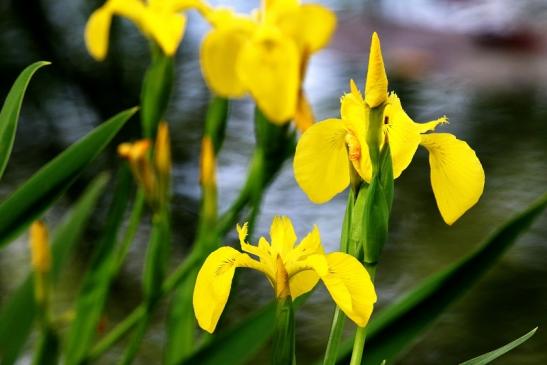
97 32
457 176
376 83
167 29
303 118
403 135
350 286
310 25
321 164
282 235
269 66
214 282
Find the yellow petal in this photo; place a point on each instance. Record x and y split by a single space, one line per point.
352 106
213 285
310 25
430 126
214 282
167 29
97 31
350 286
269 65
457 176
282 235
219 54
321 165
355 117
403 135
303 282
303 119
376 84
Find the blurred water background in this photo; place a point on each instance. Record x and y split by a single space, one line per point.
482 63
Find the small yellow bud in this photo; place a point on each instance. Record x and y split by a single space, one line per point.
39 247
207 162
282 288
376 83
134 151
136 154
163 150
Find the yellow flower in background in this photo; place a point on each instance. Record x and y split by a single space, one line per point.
266 54
159 20
325 151
291 270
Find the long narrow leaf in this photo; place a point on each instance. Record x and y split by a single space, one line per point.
43 188
17 315
493 355
94 290
9 116
395 328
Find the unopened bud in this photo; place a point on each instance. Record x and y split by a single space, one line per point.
162 157
39 247
207 162
376 83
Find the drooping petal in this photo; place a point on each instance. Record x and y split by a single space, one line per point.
350 286
321 164
97 32
457 176
282 235
403 135
219 54
376 83
269 66
214 282
310 25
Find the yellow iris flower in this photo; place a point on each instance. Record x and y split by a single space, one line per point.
290 270
325 151
159 20
266 54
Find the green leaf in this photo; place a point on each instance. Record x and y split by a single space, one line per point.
94 290
493 355
17 315
9 116
47 352
31 199
397 327
215 121
181 323
156 90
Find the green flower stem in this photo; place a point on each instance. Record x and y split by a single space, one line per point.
335 337
131 230
339 318
140 311
283 339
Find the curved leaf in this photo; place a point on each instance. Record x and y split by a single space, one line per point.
396 327
43 188
9 116
493 355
